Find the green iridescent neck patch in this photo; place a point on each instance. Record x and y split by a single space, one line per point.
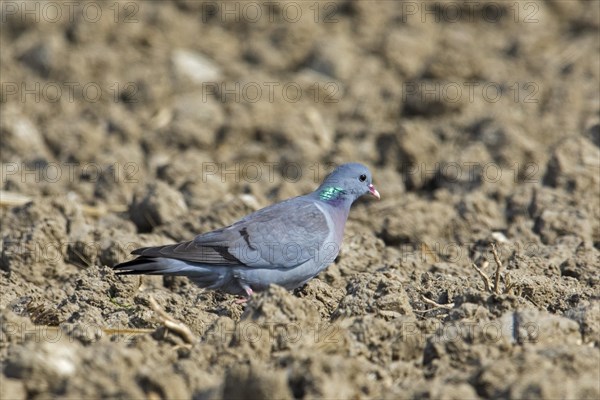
331 193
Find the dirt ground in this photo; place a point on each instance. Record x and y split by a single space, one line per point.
143 123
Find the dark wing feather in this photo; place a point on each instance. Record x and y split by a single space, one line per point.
283 235
191 251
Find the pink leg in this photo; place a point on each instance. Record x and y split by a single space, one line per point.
249 293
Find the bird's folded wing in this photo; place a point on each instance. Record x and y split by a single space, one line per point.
283 235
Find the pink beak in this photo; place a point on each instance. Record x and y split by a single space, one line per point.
374 191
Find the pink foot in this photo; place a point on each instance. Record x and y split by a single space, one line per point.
249 293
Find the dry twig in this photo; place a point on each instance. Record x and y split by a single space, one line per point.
510 285
125 331
487 283
435 304
172 324
486 279
56 330
498 269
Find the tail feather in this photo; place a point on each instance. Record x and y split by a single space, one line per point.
141 265
202 276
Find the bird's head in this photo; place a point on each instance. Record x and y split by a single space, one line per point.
348 182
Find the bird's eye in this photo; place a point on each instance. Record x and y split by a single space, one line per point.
362 178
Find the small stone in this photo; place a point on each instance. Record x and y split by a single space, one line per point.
195 67
158 204
574 166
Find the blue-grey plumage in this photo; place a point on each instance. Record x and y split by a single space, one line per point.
287 243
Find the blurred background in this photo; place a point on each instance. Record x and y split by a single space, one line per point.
155 90
127 123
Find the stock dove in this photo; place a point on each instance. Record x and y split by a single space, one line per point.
287 243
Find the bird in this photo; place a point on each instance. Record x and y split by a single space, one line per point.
287 243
